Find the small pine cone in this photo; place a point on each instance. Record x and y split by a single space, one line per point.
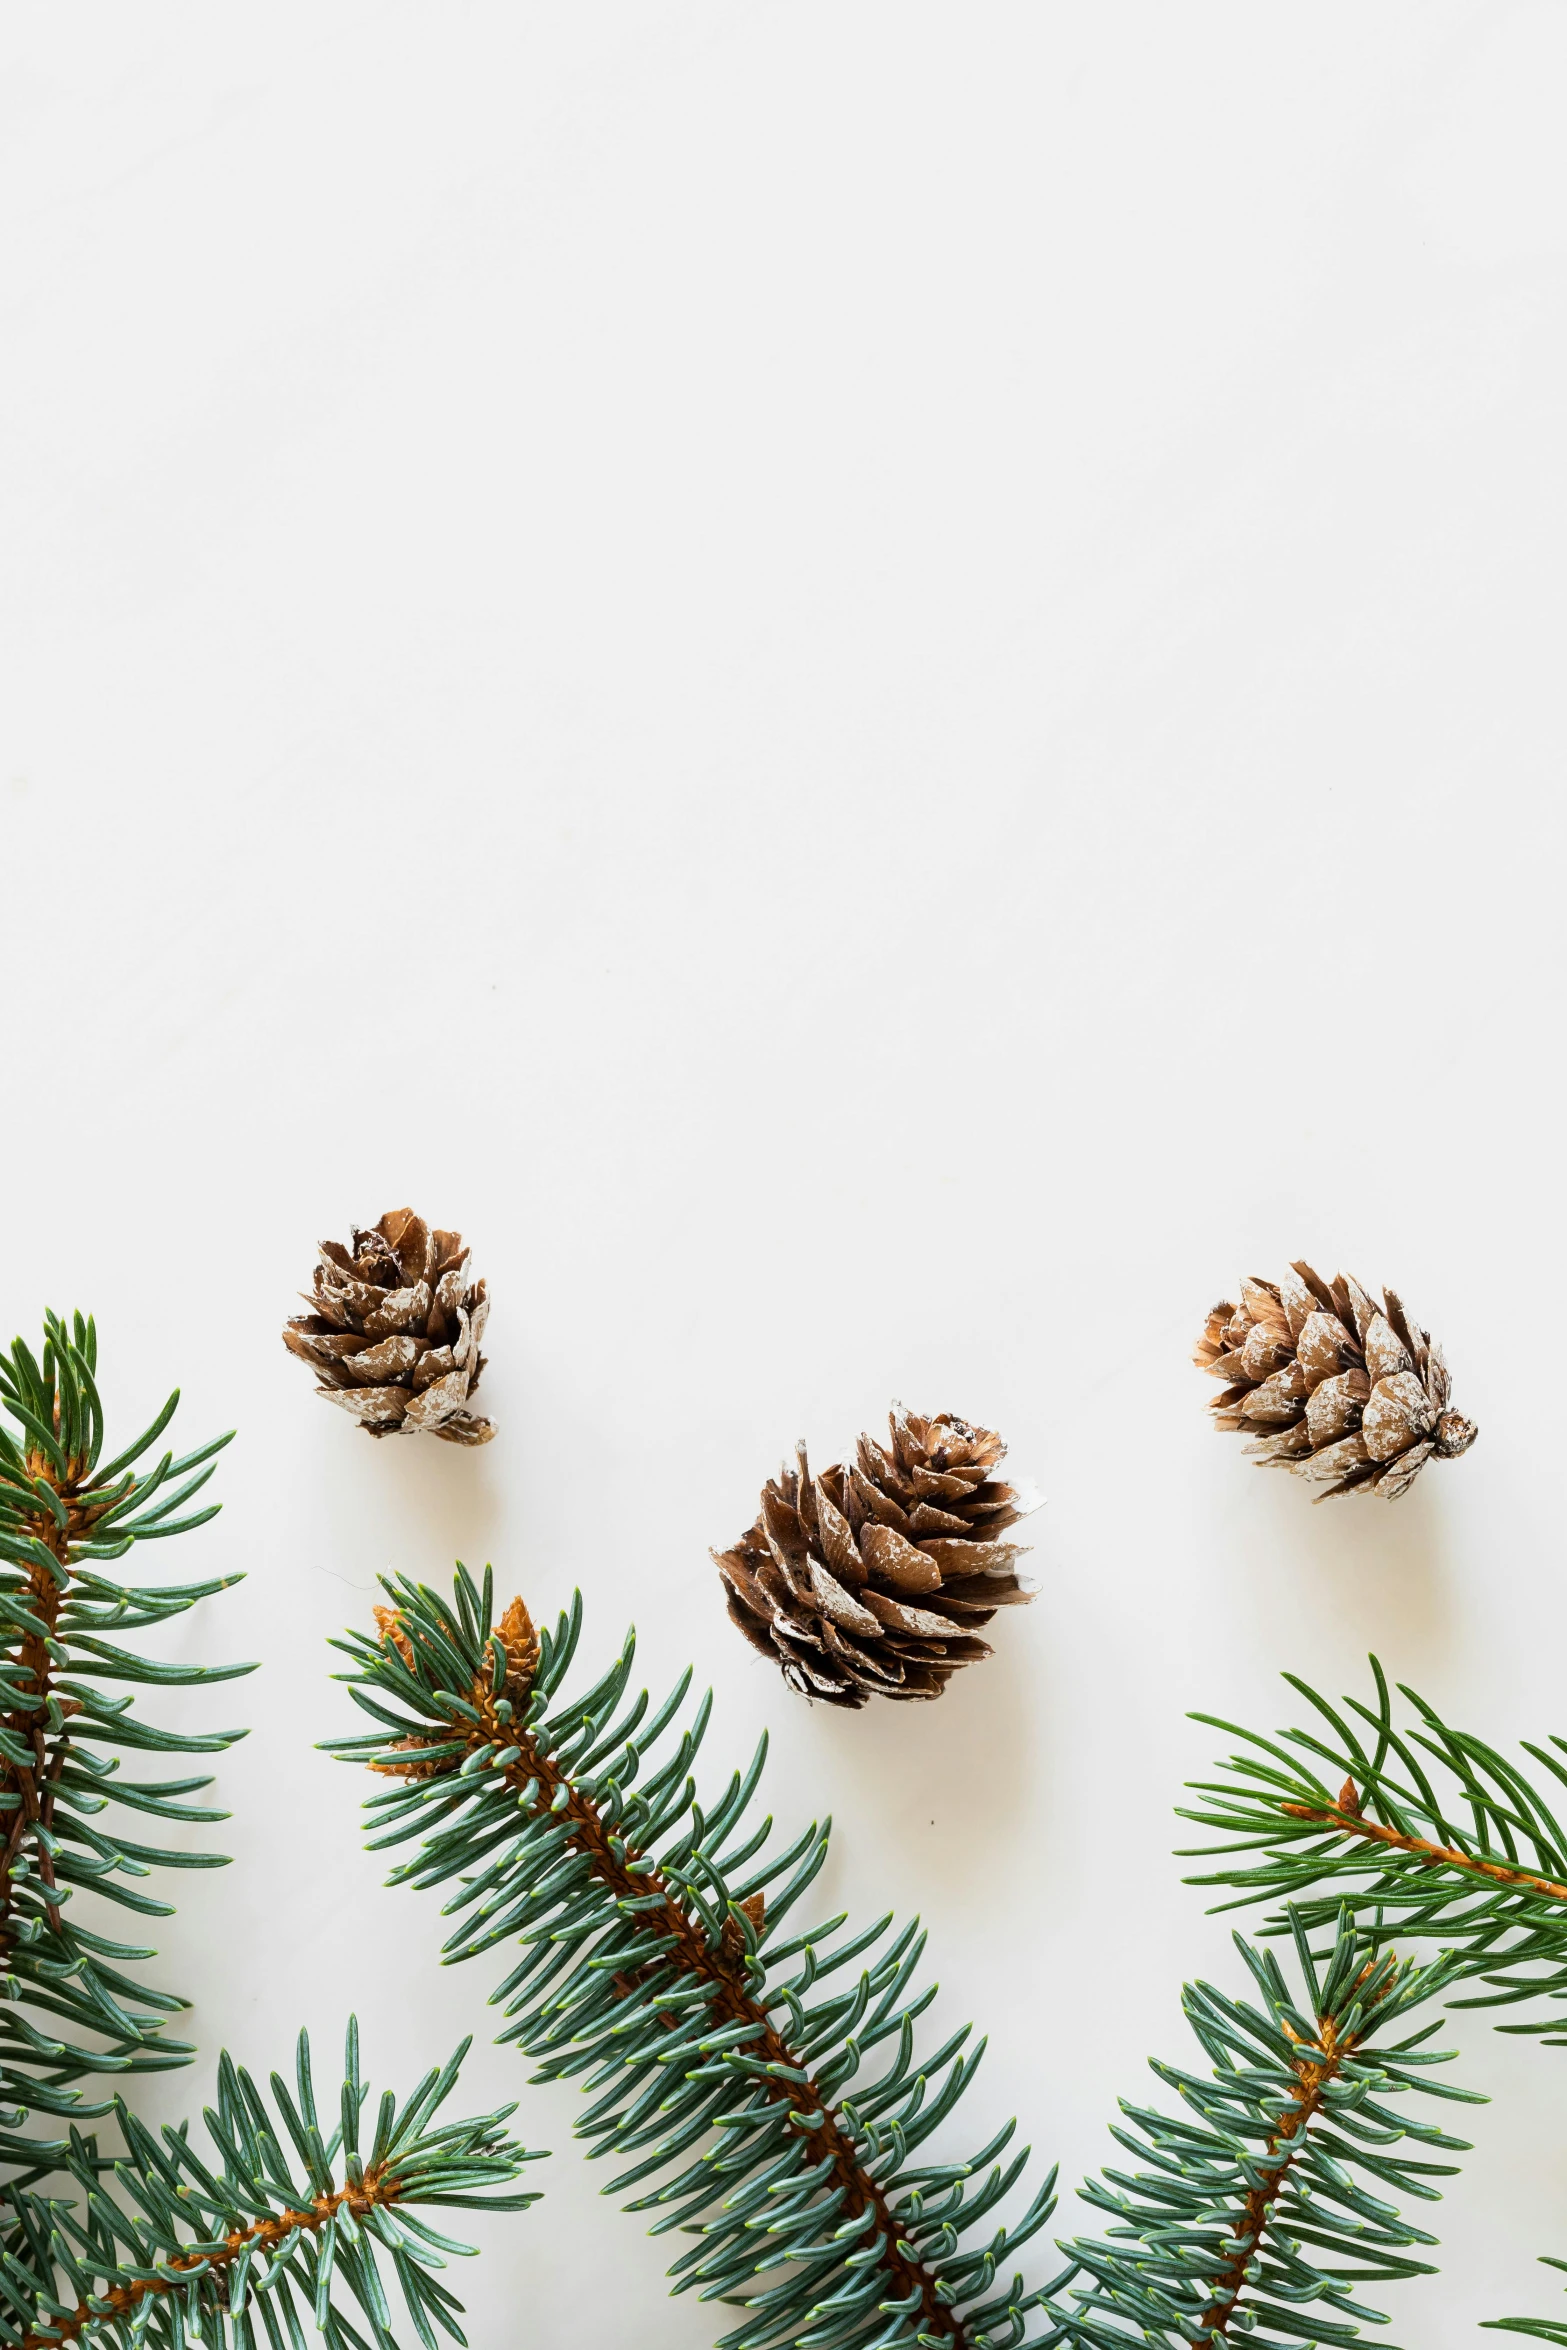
871 1580
1330 1385
394 1332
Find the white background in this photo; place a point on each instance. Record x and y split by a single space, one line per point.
878 687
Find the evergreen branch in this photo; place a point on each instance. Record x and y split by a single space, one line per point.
1253 2223
1344 1816
653 1967
69 2011
179 2250
1432 1834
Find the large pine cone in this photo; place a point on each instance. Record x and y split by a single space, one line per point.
872 1580
1331 1386
394 1335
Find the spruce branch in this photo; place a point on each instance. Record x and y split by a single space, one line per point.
1432 1834
653 1966
65 1515
176 2248
1266 2202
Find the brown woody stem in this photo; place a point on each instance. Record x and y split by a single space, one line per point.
376 2187
1434 1855
633 1878
1285 2142
35 1786
27 1722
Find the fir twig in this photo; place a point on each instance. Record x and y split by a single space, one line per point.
1432 1834
1266 2201
179 2249
65 1516
654 1967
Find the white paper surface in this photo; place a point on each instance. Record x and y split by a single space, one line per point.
878 688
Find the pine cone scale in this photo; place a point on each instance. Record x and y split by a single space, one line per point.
831 1596
399 1311
355 1300
1324 1346
970 1558
900 1617
368 1404
383 1362
925 1520
899 1561
1398 1413
340 1346
1334 1407
837 1539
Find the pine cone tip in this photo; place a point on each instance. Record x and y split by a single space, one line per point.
1454 1435
394 1328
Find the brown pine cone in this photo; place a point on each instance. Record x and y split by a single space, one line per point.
1331 1386
394 1335
872 1580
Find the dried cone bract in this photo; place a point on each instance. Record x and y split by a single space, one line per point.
873 1578
393 1335
521 1643
1332 1385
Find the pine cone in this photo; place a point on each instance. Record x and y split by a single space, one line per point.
394 1335
1331 1387
871 1580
